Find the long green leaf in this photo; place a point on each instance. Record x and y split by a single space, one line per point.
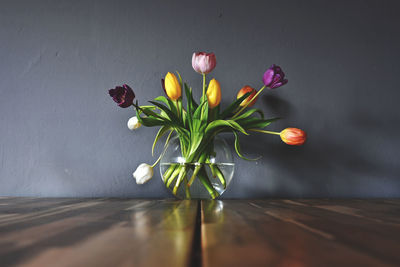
255 122
170 114
197 112
233 106
249 113
167 102
237 149
150 122
224 123
180 78
160 133
189 106
204 113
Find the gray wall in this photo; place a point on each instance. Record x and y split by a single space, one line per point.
61 134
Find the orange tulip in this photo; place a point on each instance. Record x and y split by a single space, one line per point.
243 91
293 136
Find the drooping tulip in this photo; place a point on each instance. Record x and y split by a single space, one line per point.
274 77
133 123
143 173
172 86
246 89
203 63
293 136
122 95
213 93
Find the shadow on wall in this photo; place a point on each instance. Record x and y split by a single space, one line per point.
349 170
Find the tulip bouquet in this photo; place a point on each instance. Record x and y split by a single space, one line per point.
196 124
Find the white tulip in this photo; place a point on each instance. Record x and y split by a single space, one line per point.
143 173
133 123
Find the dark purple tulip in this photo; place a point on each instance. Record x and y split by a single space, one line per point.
274 77
122 95
163 85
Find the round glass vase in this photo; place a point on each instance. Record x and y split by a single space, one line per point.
194 180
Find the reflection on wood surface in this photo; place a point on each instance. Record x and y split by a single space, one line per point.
128 232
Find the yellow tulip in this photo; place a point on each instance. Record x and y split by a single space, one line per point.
172 86
213 93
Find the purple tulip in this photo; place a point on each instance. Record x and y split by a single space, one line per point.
203 62
274 77
163 85
122 95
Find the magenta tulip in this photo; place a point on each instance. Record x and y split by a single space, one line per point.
274 77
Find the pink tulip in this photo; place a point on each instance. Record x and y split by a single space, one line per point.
203 62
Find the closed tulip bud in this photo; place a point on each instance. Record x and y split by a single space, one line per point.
203 63
133 123
143 173
246 89
213 93
172 86
293 136
274 77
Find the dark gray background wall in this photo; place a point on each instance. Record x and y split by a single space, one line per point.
61 134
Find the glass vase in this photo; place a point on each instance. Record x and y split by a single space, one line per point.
194 180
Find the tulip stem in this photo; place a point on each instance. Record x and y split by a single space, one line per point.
207 184
173 175
221 176
187 190
204 86
264 131
168 172
248 102
182 173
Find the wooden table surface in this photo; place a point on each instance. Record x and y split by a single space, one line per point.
128 232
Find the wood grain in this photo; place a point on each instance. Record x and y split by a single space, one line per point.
97 233
129 232
291 233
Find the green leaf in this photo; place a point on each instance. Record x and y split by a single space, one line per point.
169 113
160 133
249 113
180 78
195 140
150 122
237 149
189 106
197 112
255 122
148 111
168 102
233 106
225 123
200 117
163 99
204 113
189 96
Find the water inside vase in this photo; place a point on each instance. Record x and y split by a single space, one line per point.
198 190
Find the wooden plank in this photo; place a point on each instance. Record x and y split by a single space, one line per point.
367 235
380 210
126 232
106 232
237 233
